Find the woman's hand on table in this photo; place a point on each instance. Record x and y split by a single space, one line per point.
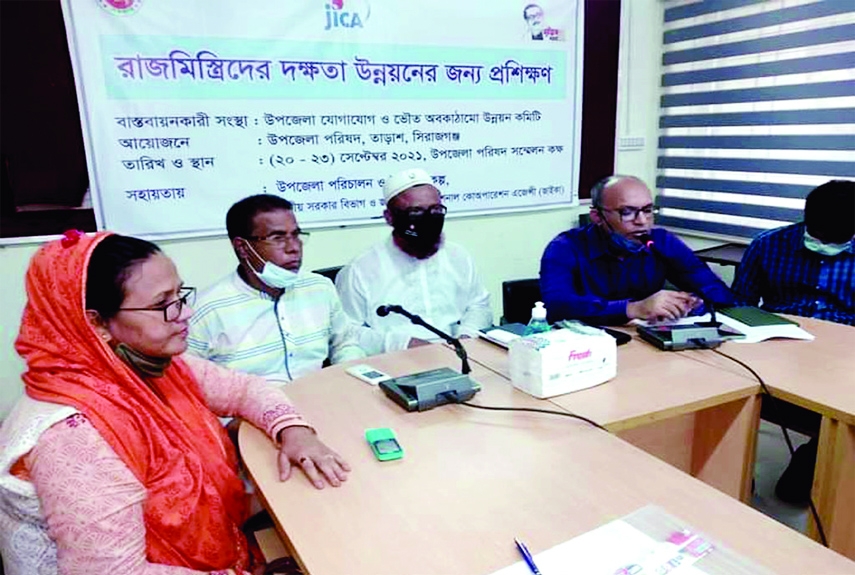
301 447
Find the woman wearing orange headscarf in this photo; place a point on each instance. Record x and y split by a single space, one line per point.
114 461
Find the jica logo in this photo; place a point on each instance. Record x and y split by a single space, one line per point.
349 14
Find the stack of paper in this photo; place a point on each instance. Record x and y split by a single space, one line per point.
503 335
647 542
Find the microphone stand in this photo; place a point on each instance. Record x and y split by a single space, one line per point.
417 320
428 389
701 334
713 321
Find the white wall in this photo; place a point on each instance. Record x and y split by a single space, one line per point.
504 246
639 73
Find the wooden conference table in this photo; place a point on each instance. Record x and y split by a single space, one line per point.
702 419
700 411
819 376
472 480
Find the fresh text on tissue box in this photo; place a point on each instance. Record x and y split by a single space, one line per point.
561 361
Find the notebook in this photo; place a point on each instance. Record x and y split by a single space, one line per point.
755 317
759 325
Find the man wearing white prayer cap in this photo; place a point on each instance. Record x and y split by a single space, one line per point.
416 268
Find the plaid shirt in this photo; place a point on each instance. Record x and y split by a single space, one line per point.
789 278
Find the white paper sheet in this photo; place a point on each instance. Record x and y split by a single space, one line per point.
618 548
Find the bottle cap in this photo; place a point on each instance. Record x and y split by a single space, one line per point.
538 311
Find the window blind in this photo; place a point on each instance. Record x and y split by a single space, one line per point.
757 109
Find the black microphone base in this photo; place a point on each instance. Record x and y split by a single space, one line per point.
428 389
700 335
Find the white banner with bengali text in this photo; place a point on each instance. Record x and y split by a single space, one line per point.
188 106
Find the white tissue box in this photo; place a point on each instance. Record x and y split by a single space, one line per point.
562 360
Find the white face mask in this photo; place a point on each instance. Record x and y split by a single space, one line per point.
822 248
272 275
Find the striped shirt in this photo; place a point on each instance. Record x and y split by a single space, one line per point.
789 278
245 329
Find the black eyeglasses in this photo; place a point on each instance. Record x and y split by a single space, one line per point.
628 214
281 238
437 210
172 310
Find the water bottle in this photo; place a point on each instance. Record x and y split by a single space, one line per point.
537 323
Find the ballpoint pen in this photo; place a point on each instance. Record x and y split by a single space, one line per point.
526 555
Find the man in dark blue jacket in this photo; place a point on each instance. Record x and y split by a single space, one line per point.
614 269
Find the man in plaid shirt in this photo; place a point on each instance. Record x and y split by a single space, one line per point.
805 269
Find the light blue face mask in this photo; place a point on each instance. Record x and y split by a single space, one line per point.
272 275
625 244
824 249
619 242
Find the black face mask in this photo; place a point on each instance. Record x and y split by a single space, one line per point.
421 231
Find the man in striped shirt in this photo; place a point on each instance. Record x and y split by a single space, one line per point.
267 317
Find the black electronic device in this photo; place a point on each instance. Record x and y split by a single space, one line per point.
621 337
677 337
428 389
680 337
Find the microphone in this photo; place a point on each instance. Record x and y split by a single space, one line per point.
650 245
698 334
647 241
385 310
428 389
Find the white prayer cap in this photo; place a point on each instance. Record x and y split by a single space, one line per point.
403 181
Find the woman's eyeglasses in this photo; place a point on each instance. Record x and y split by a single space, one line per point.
172 310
